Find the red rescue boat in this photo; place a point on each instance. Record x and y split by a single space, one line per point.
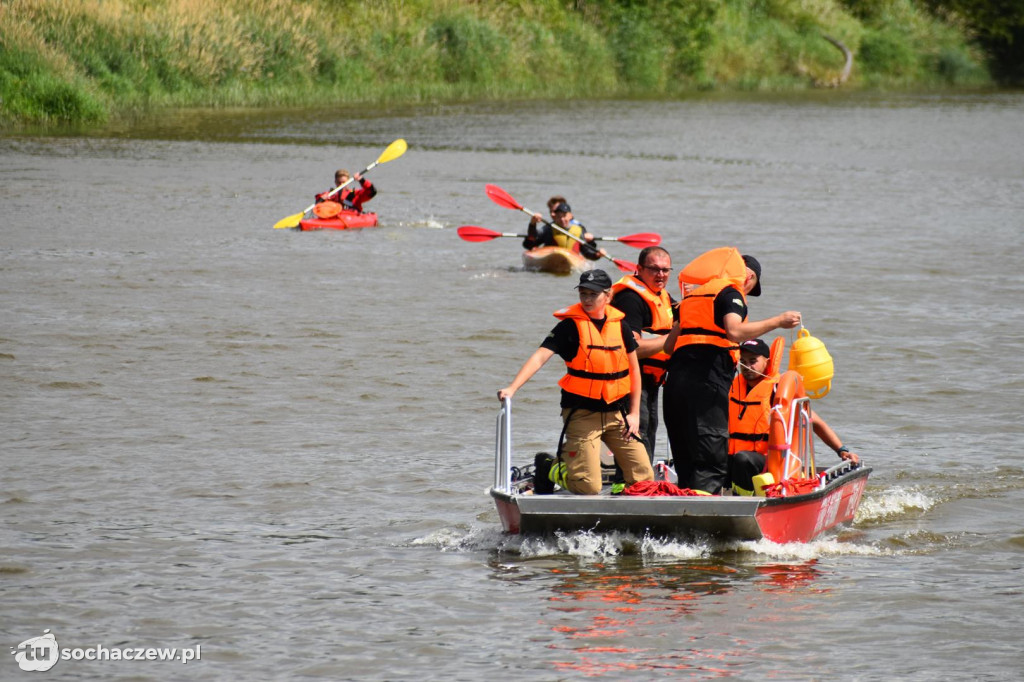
797 509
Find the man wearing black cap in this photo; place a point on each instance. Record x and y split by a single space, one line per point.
557 233
750 400
704 342
600 390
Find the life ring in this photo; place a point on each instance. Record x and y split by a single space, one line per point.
785 445
327 209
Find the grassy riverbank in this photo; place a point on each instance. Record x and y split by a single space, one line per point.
85 61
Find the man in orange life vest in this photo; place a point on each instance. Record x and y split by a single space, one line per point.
349 198
600 390
750 401
648 308
704 343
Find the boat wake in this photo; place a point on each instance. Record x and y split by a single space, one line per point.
600 546
892 504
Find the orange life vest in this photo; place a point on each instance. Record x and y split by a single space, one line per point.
749 410
749 413
697 318
661 321
600 369
722 263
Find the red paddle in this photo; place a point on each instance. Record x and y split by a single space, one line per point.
640 240
503 198
473 233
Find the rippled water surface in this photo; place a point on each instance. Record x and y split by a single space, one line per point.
275 445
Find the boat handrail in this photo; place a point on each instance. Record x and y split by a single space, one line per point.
845 466
503 448
801 435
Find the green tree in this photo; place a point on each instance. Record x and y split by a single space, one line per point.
998 27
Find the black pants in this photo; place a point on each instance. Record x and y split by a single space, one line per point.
743 466
696 405
649 390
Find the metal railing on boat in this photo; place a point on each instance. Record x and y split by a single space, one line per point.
799 439
503 448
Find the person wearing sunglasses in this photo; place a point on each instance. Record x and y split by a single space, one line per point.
648 308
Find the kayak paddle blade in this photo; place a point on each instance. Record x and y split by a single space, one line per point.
394 150
472 233
502 198
290 221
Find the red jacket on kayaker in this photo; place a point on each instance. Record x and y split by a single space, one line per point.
348 197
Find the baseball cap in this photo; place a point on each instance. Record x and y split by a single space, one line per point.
757 347
756 267
562 208
595 280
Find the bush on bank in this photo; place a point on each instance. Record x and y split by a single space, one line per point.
83 61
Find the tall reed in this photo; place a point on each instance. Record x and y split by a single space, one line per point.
85 60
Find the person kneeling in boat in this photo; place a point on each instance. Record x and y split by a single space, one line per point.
539 233
600 390
750 403
351 199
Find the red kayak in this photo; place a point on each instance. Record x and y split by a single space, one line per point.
344 220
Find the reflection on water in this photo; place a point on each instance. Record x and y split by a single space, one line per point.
611 619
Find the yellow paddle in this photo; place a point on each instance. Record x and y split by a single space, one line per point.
394 150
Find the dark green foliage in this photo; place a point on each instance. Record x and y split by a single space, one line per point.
30 92
998 26
470 49
887 51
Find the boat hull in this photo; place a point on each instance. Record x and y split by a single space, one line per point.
798 518
553 259
346 220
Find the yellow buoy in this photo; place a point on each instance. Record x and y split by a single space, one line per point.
811 360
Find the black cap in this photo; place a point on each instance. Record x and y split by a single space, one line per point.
562 208
756 267
757 347
595 280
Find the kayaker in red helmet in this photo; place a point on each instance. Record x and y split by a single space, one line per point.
349 198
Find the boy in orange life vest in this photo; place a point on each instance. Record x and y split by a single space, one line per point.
348 197
712 321
648 309
600 390
750 402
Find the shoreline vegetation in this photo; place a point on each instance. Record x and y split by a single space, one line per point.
75 62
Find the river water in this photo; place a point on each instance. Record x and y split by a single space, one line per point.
275 445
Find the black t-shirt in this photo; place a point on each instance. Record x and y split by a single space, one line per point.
564 340
634 307
729 300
